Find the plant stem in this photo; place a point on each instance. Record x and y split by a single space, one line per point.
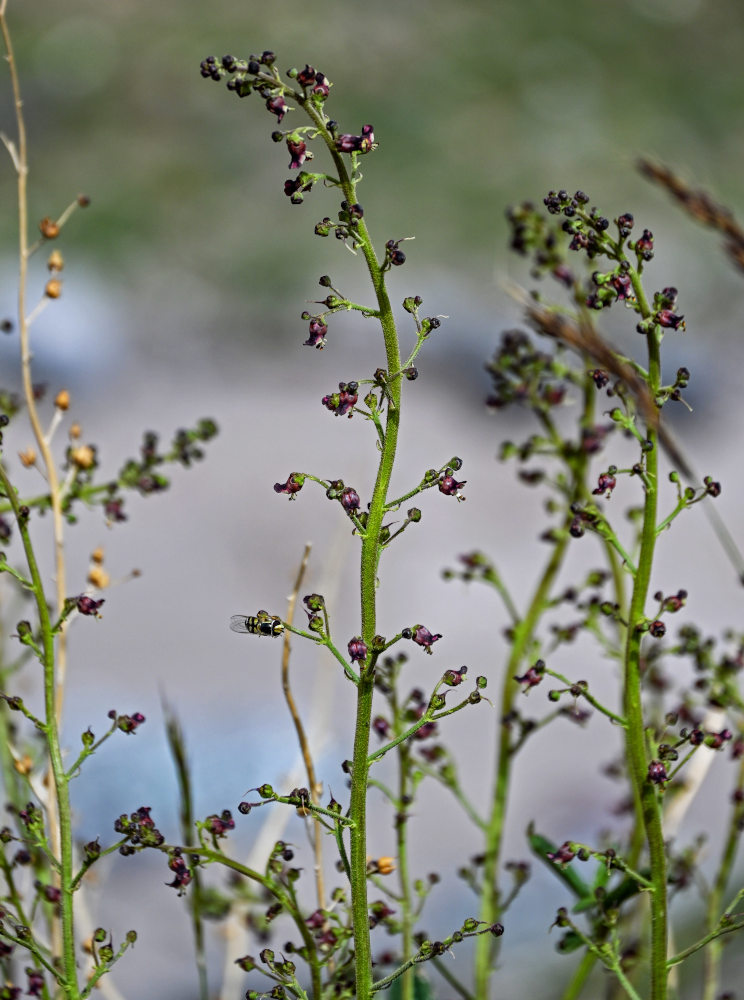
61 790
524 630
401 833
307 757
490 903
648 811
368 583
715 948
580 976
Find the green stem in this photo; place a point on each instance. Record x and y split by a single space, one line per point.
587 696
490 903
524 630
714 950
401 833
453 981
368 582
580 976
51 733
648 811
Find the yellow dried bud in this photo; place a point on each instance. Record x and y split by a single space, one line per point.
98 577
83 456
62 400
56 261
49 228
53 288
380 866
24 765
75 431
27 457
97 555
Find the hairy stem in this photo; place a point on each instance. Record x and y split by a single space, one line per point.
368 582
648 811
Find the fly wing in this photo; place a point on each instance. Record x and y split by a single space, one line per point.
241 623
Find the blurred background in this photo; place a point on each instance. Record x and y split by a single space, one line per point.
184 283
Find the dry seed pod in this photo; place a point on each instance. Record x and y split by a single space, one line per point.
56 261
48 228
62 400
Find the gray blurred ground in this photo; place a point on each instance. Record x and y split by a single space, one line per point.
183 288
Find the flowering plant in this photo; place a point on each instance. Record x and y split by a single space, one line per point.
616 917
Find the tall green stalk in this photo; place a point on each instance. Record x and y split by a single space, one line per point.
51 735
371 546
524 634
648 808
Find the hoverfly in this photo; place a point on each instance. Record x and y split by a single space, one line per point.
261 624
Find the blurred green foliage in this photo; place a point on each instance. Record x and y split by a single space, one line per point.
475 105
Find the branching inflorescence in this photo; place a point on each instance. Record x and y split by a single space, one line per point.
667 728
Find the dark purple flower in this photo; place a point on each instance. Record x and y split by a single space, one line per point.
318 330
592 438
563 274
670 320
622 285
563 855
113 509
657 772
50 893
294 187
298 152
342 402
350 500
295 482
606 483
87 606
356 143
452 678
142 817
645 243
129 723
381 726
379 910
599 377
316 920
277 106
580 241
450 486
424 732
423 637
219 825
35 983
576 714
716 740
306 76
182 874
533 676
657 629
326 940
322 85
357 650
